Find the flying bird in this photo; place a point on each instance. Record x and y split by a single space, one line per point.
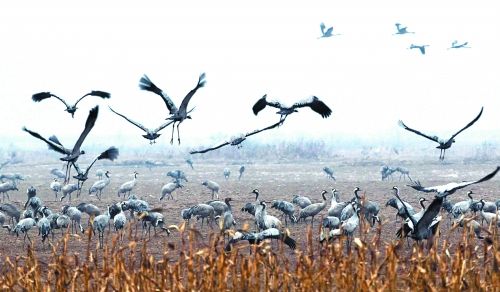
237 140
151 134
82 175
443 144
448 189
420 47
258 237
71 155
456 45
69 108
402 29
314 103
326 32
176 114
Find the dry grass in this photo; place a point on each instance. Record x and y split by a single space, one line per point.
367 266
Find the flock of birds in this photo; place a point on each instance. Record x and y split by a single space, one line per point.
400 30
343 217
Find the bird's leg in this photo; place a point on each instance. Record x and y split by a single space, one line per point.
178 135
172 139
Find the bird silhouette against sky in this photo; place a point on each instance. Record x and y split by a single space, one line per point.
69 108
443 144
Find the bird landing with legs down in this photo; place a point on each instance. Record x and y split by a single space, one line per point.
176 114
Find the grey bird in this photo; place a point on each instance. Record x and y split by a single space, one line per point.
402 29
151 134
176 114
313 103
71 155
69 108
443 144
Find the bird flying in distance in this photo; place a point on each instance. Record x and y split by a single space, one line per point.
69 108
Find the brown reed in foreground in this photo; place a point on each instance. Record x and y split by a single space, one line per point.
469 264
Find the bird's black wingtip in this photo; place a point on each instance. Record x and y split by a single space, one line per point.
41 96
102 94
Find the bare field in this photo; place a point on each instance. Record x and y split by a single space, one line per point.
274 181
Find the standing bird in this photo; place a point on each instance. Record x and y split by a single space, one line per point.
326 32
301 201
176 114
329 172
71 154
128 186
242 170
460 208
443 144
69 108
151 134
314 103
56 187
420 47
68 189
167 190
213 186
24 225
449 189
456 45
402 29
227 173
99 223
99 185
312 210
99 173
189 161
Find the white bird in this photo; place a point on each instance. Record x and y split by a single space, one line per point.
99 173
448 189
128 186
99 185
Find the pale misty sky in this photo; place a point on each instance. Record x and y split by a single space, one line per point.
367 75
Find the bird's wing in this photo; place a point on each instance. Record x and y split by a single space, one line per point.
111 154
43 95
433 138
430 213
162 126
407 212
322 26
210 149
468 183
187 98
101 94
316 105
146 84
89 124
259 105
417 186
52 145
469 124
329 31
264 129
140 126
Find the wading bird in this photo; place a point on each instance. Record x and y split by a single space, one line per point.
314 103
443 144
71 154
176 114
151 134
449 189
69 108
